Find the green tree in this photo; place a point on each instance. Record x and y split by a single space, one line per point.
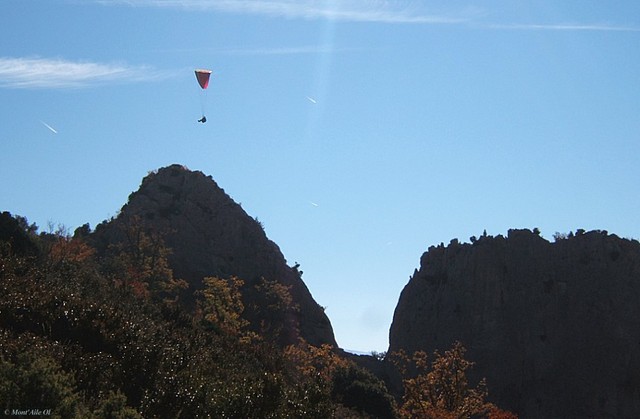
114 406
32 380
358 389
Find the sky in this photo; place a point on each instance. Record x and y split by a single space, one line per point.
359 132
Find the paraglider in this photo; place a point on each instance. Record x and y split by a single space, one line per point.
203 76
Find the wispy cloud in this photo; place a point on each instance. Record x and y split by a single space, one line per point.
565 27
308 49
273 50
58 73
384 11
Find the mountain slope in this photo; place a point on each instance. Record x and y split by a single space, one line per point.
211 235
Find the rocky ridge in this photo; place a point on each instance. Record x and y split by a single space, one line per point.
211 235
554 327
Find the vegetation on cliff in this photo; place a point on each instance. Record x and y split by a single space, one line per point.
84 334
105 337
209 235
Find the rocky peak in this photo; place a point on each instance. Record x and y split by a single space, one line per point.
554 327
211 235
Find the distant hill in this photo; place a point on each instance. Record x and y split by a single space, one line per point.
211 235
554 327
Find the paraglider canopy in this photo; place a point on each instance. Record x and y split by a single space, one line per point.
203 77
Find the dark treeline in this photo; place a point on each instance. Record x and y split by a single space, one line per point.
105 335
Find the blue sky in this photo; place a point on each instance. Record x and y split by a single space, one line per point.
358 132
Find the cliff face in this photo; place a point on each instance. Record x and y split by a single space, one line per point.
211 235
554 327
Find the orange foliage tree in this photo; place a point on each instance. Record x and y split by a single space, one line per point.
441 389
221 305
314 361
142 259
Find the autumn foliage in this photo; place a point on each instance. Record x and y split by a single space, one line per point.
92 334
440 388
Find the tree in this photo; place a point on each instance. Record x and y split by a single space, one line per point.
314 361
17 235
441 388
358 389
312 370
67 250
34 381
557 236
221 305
141 263
115 407
277 312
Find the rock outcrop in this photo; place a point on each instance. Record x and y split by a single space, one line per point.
554 327
211 235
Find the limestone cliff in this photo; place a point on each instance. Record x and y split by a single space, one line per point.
554 327
211 235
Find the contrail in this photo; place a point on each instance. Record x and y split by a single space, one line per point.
49 126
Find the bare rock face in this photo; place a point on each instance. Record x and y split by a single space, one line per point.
211 235
554 327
